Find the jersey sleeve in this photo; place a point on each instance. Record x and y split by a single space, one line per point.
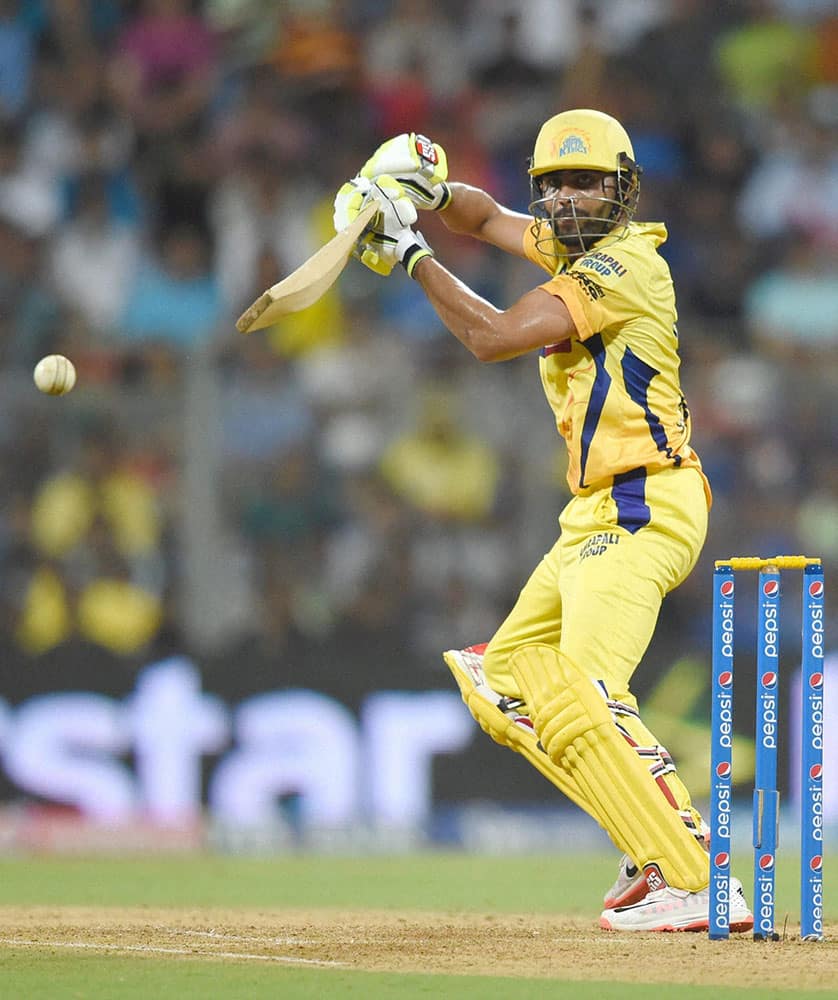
609 286
603 289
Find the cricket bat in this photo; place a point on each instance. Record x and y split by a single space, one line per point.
311 280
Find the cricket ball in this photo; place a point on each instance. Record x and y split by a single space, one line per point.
55 375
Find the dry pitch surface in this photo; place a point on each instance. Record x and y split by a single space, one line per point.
465 944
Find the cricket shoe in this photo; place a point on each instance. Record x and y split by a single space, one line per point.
631 885
670 909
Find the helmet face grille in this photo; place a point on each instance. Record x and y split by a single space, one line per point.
589 230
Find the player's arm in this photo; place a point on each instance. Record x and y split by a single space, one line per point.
536 320
473 212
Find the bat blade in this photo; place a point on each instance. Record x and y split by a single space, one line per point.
310 281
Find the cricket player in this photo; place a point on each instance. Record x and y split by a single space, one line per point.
554 682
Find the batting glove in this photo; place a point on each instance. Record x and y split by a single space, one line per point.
393 241
418 164
349 201
377 247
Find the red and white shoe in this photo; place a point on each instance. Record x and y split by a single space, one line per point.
631 885
671 909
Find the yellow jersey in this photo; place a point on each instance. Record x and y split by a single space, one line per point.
614 386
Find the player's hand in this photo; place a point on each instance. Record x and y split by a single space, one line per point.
392 240
418 164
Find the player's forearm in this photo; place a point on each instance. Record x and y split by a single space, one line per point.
476 323
535 320
473 212
469 209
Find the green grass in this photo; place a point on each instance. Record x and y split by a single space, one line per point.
96 978
433 881
449 882
568 884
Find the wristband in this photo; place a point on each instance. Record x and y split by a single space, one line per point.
411 248
413 256
445 200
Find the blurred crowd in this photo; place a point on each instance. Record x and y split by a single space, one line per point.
375 488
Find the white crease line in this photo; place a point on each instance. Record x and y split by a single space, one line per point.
144 949
232 937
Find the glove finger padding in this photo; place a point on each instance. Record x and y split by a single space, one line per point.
418 164
397 209
423 194
408 153
349 201
377 248
392 239
377 252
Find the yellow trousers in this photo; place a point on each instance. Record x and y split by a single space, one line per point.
596 595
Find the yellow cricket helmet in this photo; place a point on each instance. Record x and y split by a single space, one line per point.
583 139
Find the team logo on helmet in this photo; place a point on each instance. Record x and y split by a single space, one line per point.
816 863
726 589
573 144
816 588
816 680
723 770
771 588
726 678
722 859
766 862
769 679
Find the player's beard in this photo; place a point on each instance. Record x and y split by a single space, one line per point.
579 232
